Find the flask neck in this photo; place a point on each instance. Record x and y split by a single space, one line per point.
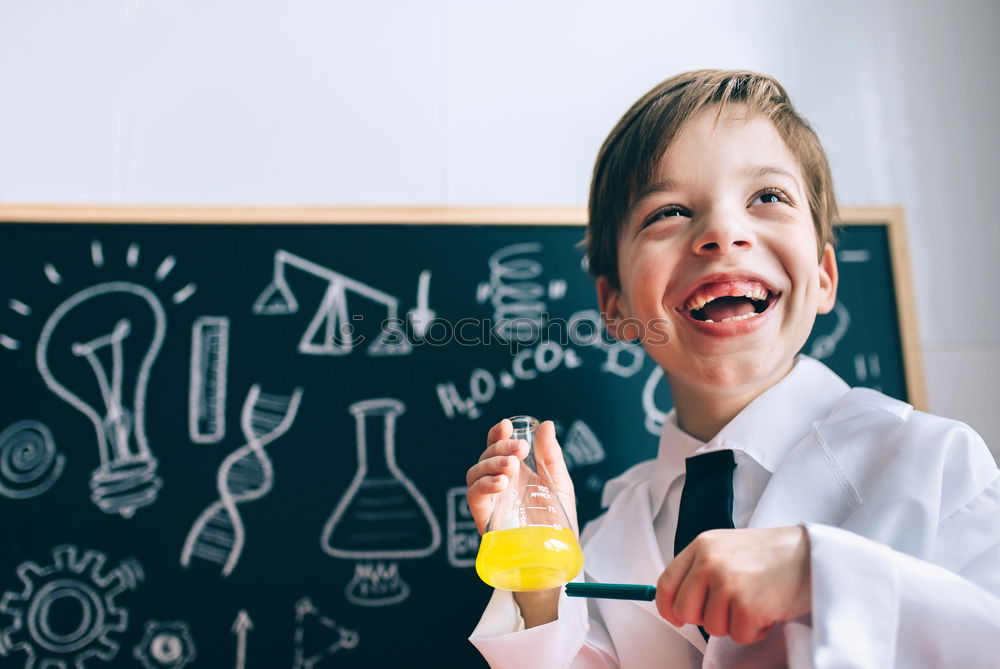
376 443
529 460
528 435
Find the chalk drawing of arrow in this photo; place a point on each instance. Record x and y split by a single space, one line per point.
422 315
241 626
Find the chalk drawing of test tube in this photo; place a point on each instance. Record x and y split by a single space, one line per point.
331 320
246 474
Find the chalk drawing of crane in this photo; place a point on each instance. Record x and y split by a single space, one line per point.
332 319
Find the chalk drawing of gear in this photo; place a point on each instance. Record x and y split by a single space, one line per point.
66 613
165 646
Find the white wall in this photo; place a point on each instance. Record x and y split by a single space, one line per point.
464 102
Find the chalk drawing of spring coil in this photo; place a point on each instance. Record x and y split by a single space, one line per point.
516 296
246 474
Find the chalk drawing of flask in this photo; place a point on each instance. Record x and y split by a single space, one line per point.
382 516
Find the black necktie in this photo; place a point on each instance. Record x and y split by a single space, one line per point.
706 500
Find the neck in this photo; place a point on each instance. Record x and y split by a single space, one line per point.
702 411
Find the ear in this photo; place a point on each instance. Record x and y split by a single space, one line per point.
827 280
611 302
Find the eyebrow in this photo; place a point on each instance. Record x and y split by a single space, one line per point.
658 187
758 171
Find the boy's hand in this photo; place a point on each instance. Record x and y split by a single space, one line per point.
738 583
491 475
501 460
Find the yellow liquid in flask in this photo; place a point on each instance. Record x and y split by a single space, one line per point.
529 558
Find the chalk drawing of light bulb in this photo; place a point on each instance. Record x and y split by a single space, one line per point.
382 516
96 352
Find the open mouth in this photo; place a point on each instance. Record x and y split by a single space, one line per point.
728 301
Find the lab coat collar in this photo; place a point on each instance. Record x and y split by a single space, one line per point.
766 430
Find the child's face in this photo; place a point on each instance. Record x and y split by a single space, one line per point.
727 217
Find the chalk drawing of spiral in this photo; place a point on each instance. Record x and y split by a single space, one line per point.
29 464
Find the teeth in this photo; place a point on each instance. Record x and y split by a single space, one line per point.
756 292
733 318
699 302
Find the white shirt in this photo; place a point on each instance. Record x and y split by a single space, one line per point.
758 449
913 576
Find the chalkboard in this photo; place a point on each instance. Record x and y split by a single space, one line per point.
238 438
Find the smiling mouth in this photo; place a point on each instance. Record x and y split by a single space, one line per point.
728 301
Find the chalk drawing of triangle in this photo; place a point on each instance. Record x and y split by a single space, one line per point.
391 341
329 332
276 300
582 445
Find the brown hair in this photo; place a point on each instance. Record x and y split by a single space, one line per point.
627 160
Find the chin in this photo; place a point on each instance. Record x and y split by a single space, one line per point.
736 373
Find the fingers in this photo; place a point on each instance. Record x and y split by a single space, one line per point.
516 447
703 600
746 626
668 584
501 430
716 617
492 473
498 442
706 585
550 455
480 497
500 461
692 594
494 465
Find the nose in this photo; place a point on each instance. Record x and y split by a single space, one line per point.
721 232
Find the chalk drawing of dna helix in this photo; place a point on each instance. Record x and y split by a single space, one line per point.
245 475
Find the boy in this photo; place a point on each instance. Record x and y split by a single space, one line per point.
866 534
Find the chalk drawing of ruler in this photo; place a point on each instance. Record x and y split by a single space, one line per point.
245 475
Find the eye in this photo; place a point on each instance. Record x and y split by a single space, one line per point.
770 196
670 211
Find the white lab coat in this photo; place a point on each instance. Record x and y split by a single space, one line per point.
903 514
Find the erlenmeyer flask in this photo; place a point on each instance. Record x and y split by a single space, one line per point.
529 543
382 515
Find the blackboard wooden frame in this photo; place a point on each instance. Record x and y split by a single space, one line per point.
891 217
894 222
